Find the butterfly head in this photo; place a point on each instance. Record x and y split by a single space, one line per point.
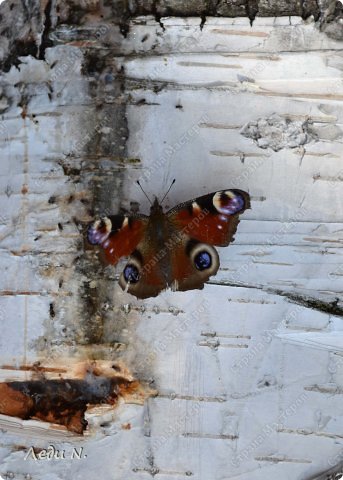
156 207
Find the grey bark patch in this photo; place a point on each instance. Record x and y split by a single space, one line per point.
331 19
326 132
334 30
236 8
179 7
283 7
243 78
277 132
100 145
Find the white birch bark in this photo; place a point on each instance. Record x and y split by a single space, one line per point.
248 371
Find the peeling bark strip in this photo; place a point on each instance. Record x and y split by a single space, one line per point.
331 308
64 401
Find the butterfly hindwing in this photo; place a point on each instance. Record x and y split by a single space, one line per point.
193 263
118 235
144 274
212 218
187 265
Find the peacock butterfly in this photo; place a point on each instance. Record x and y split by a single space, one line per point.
172 249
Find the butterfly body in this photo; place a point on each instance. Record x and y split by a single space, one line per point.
172 249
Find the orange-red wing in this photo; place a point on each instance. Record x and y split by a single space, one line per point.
118 235
213 218
151 274
186 275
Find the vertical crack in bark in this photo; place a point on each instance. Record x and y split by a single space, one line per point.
157 15
203 21
310 7
124 19
46 42
252 10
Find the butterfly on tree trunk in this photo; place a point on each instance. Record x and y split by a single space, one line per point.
172 249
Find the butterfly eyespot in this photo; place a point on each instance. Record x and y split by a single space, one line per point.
93 236
99 231
228 202
131 274
203 260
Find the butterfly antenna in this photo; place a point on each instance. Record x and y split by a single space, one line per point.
168 190
140 186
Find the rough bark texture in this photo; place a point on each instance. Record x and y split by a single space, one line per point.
26 27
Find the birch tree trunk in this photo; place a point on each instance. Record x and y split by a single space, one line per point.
243 378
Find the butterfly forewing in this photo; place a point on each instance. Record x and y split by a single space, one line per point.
212 218
118 235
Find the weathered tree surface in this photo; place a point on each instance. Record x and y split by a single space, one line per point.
241 379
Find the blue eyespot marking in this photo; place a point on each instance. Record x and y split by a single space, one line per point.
229 202
94 236
131 273
203 260
99 231
231 205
